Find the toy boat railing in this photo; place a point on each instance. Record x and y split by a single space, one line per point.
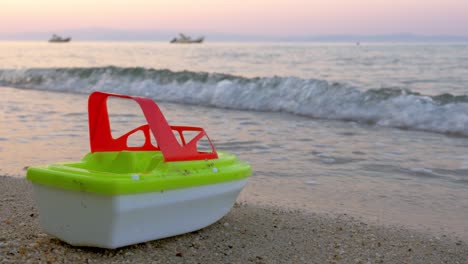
101 139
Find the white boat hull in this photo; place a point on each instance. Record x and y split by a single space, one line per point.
88 219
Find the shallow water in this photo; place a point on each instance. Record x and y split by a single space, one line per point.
384 175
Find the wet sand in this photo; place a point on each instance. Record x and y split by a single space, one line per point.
250 233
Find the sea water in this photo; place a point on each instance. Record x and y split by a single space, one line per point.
378 130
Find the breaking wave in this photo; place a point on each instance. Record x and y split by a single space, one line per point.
390 107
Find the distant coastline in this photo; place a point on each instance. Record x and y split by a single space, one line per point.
149 35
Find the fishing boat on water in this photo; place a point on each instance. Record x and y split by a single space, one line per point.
186 39
57 39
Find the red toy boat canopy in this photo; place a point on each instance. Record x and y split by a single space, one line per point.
101 139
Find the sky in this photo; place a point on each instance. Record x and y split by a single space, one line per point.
255 17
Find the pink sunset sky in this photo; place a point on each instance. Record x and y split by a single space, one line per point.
258 17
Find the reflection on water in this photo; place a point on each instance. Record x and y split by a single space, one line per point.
388 175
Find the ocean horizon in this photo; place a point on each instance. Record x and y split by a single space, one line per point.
120 35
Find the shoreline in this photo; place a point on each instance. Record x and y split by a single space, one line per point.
249 233
385 176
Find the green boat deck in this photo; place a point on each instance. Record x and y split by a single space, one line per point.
130 172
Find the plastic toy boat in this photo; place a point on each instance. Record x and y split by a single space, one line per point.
119 195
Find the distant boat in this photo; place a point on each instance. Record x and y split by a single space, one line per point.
58 39
186 39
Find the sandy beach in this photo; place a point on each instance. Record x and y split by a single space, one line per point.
250 233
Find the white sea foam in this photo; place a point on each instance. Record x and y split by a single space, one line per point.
308 97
